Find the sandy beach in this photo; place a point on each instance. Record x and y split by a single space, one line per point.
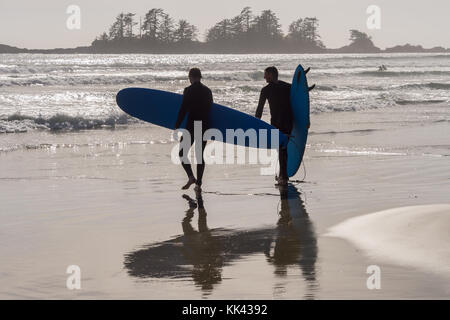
109 201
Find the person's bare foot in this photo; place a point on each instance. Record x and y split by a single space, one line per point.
188 184
281 182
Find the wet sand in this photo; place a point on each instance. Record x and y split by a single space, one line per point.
110 202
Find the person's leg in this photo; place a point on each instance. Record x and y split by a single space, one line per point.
282 157
201 166
186 164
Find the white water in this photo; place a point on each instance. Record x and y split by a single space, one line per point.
85 85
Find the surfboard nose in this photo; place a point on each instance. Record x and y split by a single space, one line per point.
123 97
120 97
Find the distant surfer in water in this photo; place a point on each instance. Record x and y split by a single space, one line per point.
278 94
197 102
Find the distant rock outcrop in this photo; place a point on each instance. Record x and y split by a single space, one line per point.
8 49
360 43
411 49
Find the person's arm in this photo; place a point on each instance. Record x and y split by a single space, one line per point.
211 97
261 103
182 112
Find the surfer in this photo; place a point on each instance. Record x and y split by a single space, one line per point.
382 68
196 103
278 93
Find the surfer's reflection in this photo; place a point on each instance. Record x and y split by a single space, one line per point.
200 248
202 254
295 240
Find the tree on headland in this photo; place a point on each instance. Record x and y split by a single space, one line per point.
311 26
151 23
103 37
246 17
117 29
303 32
222 31
267 26
121 28
244 33
185 32
128 21
166 33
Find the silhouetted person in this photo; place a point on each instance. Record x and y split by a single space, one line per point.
278 93
197 102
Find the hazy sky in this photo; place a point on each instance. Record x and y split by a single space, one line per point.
42 23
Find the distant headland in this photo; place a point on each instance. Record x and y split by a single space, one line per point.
158 33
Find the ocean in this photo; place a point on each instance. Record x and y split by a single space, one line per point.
84 86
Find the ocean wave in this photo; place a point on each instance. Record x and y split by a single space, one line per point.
416 102
35 70
402 73
325 88
429 85
83 80
392 56
60 122
114 79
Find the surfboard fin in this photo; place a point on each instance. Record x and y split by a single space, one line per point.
307 70
312 87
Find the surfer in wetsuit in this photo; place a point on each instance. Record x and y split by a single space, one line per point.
278 94
197 102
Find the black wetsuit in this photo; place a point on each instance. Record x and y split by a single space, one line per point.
197 101
279 96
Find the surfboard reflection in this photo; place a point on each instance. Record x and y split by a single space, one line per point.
201 254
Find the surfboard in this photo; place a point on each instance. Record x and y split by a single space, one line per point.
300 109
161 108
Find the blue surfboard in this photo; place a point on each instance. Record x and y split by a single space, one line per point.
161 108
300 108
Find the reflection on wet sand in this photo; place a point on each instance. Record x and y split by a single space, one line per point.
202 254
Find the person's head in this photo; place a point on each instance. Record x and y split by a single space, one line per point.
271 74
195 75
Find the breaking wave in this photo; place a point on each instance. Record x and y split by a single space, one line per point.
415 102
60 122
402 73
429 85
